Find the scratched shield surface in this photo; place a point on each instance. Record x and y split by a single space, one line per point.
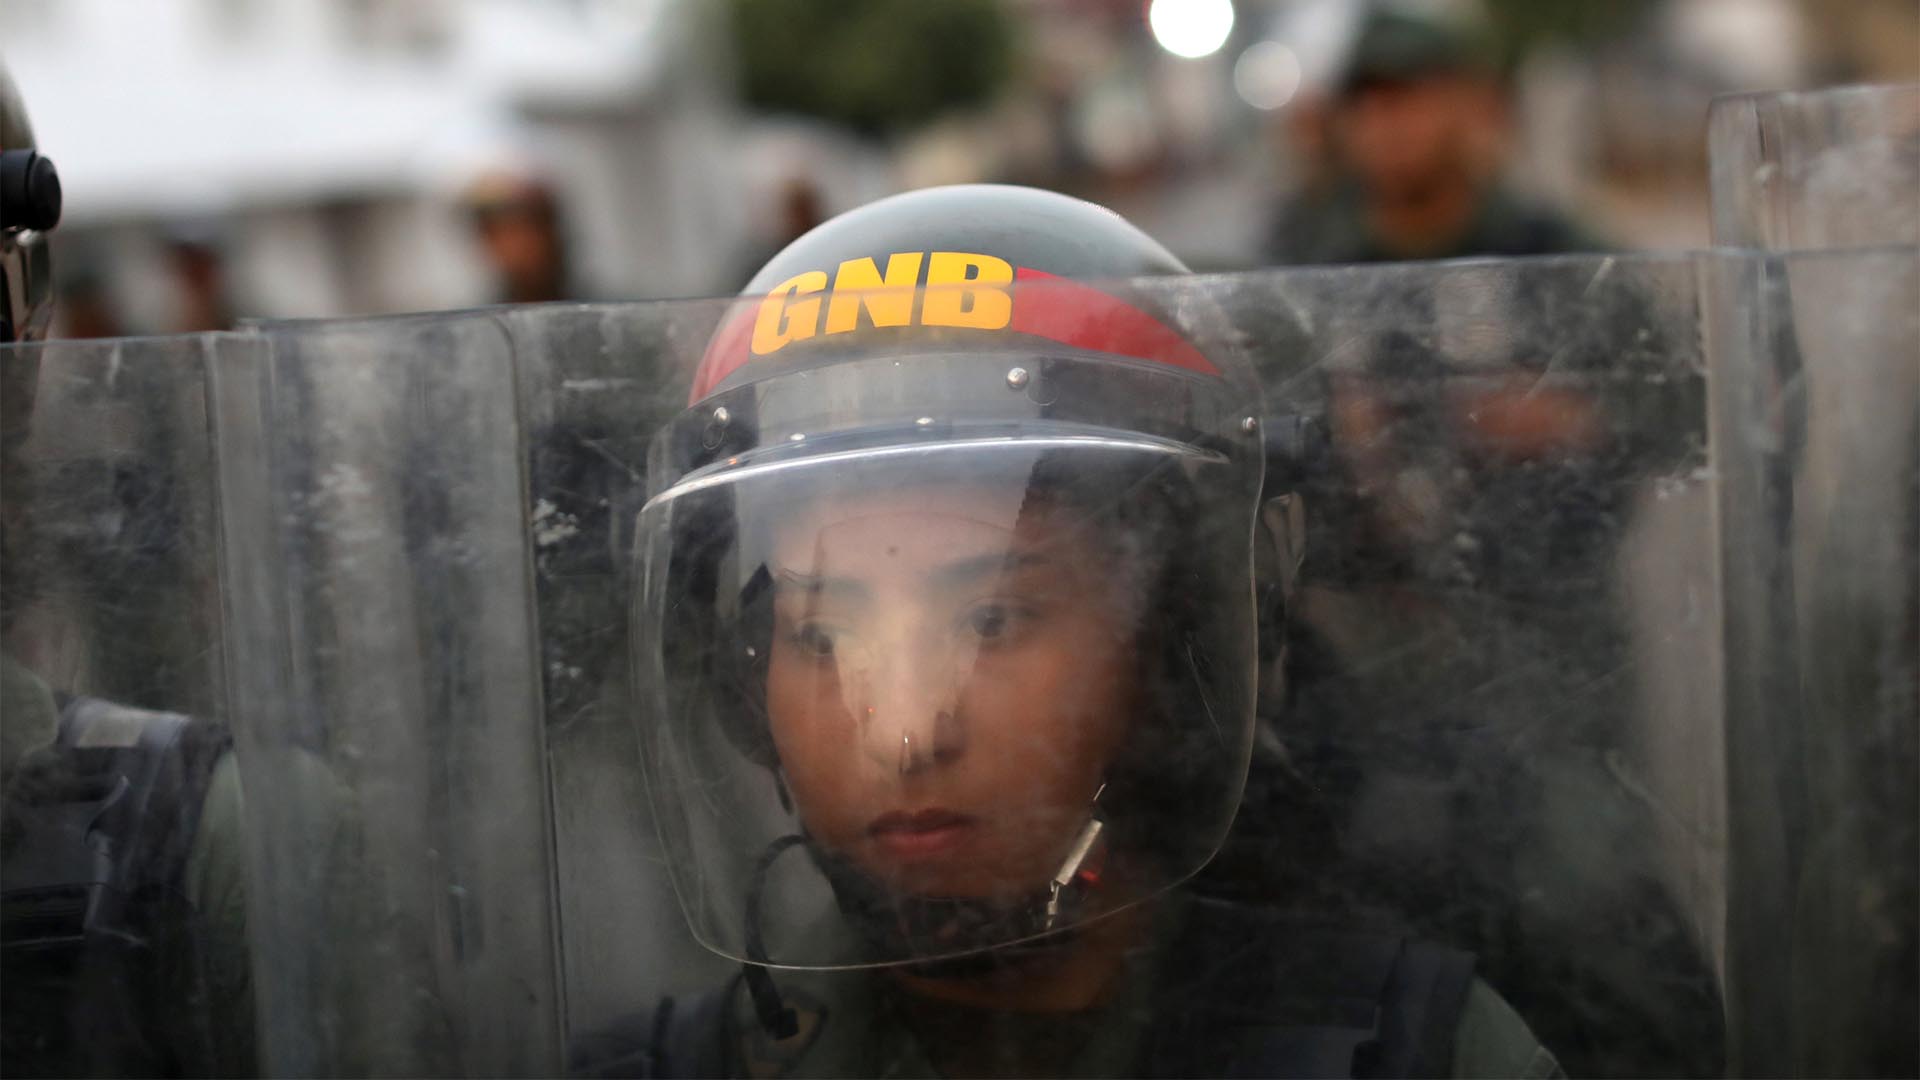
1599 585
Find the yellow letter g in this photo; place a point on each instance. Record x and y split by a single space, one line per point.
781 320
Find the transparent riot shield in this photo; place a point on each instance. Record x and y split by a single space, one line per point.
385 679
1496 674
124 931
378 563
1821 169
1821 596
1823 590
1729 458
595 384
1557 614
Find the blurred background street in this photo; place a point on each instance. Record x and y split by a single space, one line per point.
230 159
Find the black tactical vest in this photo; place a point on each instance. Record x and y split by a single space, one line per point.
94 839
1250 993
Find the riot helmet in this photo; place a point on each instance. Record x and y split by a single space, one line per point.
946 612
29 207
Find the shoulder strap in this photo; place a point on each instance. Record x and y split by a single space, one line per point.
1255 994
1425 996
112 805
167 760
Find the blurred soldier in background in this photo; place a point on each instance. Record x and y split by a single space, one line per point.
195 252
86 306
797 209
1417 138
522 233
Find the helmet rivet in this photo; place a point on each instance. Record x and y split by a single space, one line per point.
721 415
925 421
1249 425
1017 378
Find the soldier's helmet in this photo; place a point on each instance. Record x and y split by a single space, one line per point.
945 624
29 207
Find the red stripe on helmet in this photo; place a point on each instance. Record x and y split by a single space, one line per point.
727 353
1046 305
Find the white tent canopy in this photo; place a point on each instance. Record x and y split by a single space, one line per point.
154 108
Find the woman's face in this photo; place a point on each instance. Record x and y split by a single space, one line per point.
950 679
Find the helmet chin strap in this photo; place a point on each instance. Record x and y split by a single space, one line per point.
775 1015
1073 872
986 935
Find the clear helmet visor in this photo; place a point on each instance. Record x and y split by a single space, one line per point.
928 699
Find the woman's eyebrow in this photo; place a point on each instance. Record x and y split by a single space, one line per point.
970 570
960 572
789 581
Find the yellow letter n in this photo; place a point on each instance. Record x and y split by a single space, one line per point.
889 301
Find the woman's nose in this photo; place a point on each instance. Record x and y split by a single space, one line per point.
910 716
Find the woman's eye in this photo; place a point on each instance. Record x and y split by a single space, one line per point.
994 622
813 640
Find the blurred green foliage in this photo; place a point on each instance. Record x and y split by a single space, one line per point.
876 66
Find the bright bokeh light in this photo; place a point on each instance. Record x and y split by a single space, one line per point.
1191 28
1267 75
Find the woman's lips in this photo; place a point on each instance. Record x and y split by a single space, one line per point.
920 834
